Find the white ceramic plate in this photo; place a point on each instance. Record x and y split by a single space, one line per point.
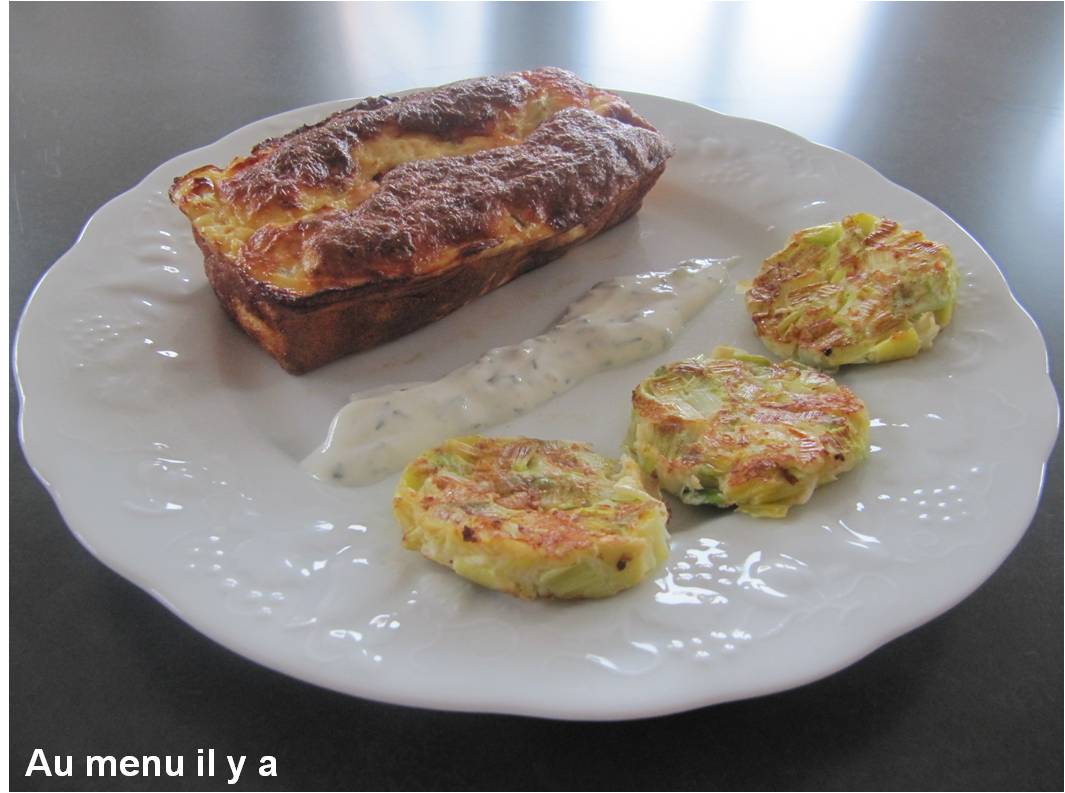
170 443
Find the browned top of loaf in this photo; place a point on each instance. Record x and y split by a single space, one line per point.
427 215
321 155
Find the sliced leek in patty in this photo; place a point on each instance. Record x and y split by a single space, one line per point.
532 518
734 429
862 290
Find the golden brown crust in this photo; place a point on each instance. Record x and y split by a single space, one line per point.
321 154
738 430
431 214
316 261
547 528
845 292
534 518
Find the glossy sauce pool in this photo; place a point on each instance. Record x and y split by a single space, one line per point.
614 323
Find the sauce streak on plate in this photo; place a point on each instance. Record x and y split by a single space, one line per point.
614 323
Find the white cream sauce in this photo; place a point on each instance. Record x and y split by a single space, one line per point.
615 323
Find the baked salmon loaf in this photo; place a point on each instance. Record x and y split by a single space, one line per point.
391 214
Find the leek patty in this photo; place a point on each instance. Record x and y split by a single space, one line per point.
859 291
532 518
738 430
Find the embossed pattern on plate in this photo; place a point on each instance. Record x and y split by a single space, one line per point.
171 444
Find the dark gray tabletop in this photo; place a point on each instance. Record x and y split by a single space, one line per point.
960 103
